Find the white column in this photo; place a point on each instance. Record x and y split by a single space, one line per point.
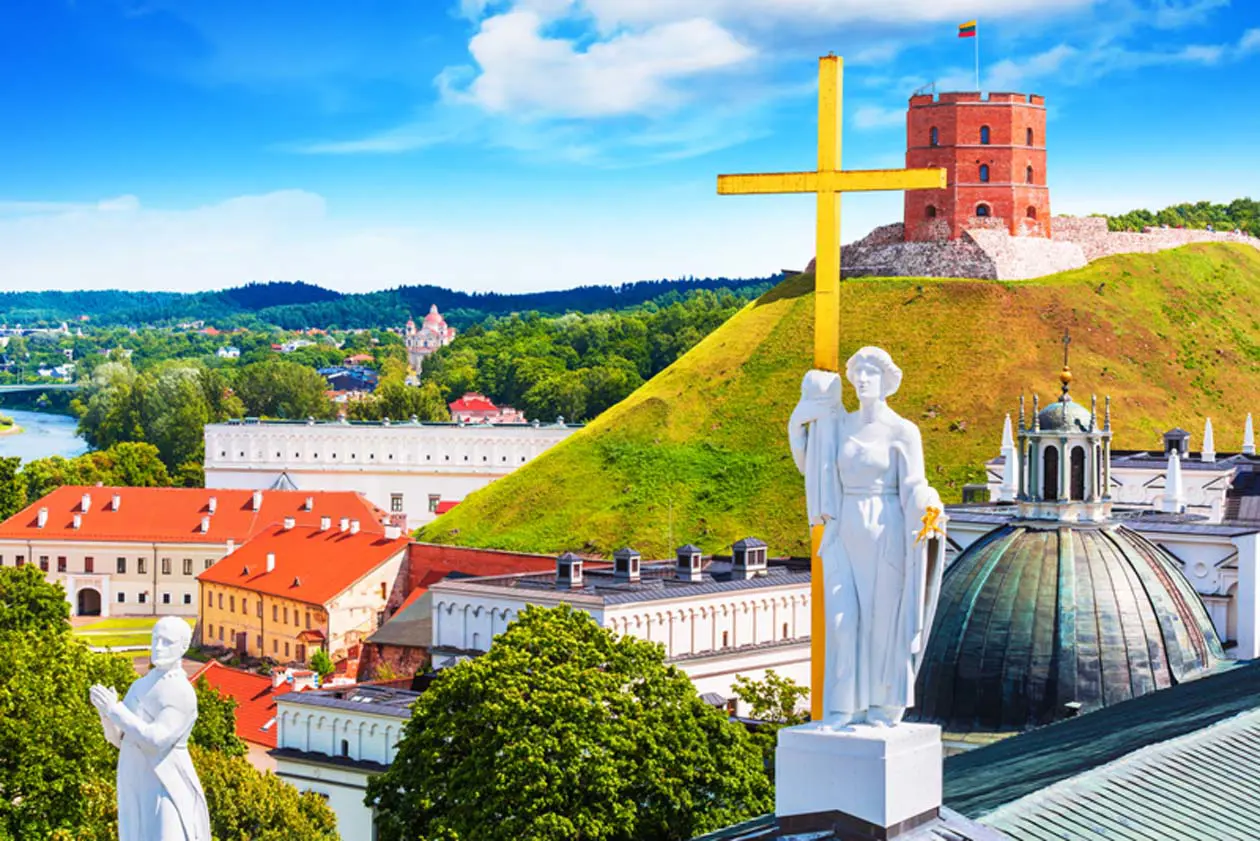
1208 452
1248 546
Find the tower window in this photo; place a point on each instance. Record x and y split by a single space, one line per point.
931 211
1078 474
984 173
1032 212
1050 466
982 210
1029 137
984 135
936 136
1028 175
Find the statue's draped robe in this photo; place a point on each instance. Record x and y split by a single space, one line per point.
866 485
159 795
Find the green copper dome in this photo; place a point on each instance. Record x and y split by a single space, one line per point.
1033 618
1066 415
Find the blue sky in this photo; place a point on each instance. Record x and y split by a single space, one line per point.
532 144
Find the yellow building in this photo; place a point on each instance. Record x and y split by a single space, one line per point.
294 589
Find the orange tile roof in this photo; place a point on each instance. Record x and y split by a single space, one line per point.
254 696
173 515
445 505
312 565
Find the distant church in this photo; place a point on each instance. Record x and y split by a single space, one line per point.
433 334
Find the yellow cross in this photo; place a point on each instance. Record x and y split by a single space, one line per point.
828 182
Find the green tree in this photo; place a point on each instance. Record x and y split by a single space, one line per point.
29 603
12 487
131 463
322 664
776 702
248 805
564 730
215 729
280 389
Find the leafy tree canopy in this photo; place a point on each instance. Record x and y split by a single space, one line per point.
565 731
1240 214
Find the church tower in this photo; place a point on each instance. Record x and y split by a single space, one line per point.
994 151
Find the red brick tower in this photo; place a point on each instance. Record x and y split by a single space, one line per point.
994 151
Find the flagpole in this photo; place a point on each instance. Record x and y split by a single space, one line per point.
977 39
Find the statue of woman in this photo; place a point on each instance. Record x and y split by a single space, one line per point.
865 485
159 795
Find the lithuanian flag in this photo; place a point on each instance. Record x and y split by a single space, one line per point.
967 30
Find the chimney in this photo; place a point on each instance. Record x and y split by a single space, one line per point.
1208 452
231 547
205 524
310 504
289 522
325 523
278 676
568 572
748 559
344 524
626 565
392 532
117 502
690 559
213 504
78 521
271 562
85 503
257 500
354 526
43 517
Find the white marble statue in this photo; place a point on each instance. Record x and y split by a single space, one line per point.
159 795
865 484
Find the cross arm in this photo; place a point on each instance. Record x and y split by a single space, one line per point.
858 180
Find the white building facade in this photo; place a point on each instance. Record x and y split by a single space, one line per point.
405 468
713 628
330 741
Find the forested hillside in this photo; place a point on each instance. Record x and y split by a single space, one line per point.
297 305
1240 214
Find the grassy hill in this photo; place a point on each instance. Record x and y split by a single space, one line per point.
699 453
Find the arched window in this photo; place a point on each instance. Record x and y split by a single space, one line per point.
1029 137
984 172
1028 175
936 137
931 211
982 210
1032 212
1078 474
1050 474
984 135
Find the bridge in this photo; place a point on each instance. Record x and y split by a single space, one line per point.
13 389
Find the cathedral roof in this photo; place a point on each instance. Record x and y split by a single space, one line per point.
1066 415
1037 622
434 318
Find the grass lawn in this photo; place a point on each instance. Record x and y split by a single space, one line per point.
116 640
123 625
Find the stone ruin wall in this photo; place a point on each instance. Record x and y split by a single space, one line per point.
990 253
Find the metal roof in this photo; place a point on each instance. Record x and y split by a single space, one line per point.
361 698
1200 787
948 826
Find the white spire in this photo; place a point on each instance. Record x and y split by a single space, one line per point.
1010 470
1249 438
1172 485
1208 452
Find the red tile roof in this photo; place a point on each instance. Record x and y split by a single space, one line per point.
473 402
445 505
312 565
254 696
173 515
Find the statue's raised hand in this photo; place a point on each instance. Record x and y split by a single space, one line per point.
103 697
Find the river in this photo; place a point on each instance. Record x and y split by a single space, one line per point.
42 435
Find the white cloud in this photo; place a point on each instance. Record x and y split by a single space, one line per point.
1250 41
524 71
875 117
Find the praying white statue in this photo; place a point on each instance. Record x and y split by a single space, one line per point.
865 484
159 795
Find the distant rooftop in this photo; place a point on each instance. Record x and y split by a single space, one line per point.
1140 519
363 697
658 580
403 422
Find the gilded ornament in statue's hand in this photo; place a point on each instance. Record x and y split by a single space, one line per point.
930 524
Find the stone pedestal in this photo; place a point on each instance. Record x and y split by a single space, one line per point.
881 781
